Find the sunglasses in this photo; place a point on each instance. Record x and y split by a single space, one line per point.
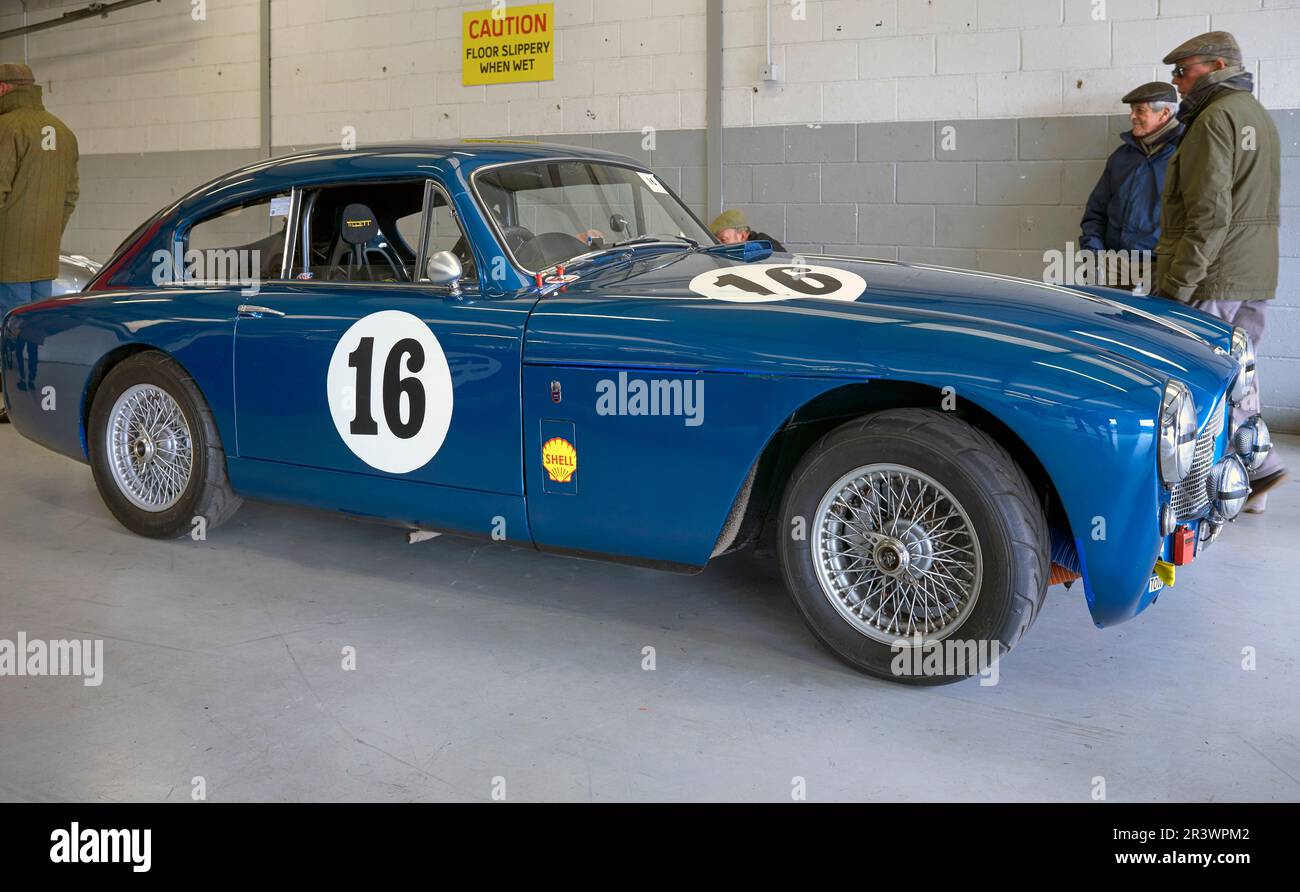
1181 70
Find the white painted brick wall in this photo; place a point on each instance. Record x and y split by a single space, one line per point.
821 62
927 98
981 58
967 52
860 101
151 79
1071 46
116 81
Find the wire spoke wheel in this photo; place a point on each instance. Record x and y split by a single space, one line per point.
896 554
150 448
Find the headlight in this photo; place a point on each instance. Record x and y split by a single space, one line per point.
1228 486
1177 433
1252 442
1244 352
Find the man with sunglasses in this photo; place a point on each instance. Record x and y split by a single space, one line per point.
1218 248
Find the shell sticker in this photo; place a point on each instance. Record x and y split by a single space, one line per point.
560 459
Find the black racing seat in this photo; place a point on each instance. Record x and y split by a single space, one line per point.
356 227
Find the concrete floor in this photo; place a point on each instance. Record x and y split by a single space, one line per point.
478 661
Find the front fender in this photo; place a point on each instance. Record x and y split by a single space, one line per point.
1090 420
1089 415
1101 456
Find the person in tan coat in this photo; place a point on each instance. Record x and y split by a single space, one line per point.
38 190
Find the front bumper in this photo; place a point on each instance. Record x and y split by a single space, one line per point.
1191 506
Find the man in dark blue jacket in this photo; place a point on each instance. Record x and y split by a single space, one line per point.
1123 212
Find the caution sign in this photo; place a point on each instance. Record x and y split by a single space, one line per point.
508 44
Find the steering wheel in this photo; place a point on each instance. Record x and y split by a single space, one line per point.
516 237
549 248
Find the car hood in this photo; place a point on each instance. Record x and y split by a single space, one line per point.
1158 338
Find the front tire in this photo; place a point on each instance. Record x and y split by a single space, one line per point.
155 451
925 553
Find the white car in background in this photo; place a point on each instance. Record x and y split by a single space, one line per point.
75 272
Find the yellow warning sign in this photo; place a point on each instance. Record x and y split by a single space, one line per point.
508 44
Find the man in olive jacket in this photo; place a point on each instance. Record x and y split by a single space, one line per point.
1218 248
38 189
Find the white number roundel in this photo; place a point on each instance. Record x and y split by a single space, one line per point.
763 282
389 391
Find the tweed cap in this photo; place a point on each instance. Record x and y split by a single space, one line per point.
732 219
16 73
1215 44
1156 91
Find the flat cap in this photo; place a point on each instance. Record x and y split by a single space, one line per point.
1216 44
732 219
16 73
1156 91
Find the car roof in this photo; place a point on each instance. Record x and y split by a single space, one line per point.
377 160
472 152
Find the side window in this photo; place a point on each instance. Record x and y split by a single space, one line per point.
240 244
409 229
445 234
361 232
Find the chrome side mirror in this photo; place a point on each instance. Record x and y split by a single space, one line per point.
443 268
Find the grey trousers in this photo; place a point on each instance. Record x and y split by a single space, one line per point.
1249 315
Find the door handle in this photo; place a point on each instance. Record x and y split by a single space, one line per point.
248 311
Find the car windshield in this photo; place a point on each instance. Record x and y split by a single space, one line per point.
548 212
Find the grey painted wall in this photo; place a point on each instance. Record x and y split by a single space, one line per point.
1009 190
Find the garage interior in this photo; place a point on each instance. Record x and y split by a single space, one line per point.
477 662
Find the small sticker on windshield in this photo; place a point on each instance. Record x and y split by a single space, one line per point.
653 182
280 206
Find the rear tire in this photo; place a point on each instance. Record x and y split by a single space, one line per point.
155 450
918 529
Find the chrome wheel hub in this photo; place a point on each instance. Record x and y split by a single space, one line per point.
891 557
896 554
150 450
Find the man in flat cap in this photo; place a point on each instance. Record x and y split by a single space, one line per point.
731 227
1123 212
1218 248
38 190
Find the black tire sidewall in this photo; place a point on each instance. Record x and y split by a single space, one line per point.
991 620
159 371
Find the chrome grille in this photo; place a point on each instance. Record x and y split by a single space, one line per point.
1191 497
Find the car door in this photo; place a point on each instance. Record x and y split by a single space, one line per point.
379 392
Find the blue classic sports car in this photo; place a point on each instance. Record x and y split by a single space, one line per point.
543 345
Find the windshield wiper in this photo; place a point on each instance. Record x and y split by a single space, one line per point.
639 240
644 239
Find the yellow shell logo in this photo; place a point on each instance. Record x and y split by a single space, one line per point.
560 459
